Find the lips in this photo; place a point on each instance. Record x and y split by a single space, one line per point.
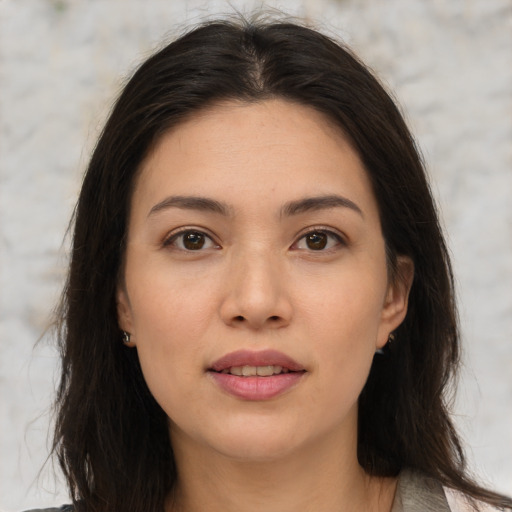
256 375
243 358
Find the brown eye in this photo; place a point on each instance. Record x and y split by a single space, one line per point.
190 240
319 241
193 240
316 241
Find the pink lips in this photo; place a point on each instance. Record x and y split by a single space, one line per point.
256 387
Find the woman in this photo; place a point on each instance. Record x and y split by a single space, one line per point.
259 313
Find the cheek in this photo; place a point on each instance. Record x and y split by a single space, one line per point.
342 317
168 303
345 303
171 351
170 318
170 329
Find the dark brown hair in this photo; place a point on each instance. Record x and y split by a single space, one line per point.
111 436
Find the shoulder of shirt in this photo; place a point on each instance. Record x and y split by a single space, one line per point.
459 502
64 508
417 492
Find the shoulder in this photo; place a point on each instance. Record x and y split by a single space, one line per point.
417 492
460 503
64 508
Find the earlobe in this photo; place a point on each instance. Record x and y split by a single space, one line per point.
124 314
397 299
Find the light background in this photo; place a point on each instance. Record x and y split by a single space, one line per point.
61 64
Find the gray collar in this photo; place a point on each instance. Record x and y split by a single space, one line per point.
418 493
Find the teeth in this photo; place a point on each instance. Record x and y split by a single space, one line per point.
265 371
250 371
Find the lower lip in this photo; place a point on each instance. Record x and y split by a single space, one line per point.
257 388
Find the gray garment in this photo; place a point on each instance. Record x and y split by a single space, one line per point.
414 493
418 493
64 508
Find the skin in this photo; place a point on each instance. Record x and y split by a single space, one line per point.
256 284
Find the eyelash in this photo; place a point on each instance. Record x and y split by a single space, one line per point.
173 237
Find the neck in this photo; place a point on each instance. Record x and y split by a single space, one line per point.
325 476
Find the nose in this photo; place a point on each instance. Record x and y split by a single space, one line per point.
257 293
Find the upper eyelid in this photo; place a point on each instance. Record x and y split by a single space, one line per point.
322 229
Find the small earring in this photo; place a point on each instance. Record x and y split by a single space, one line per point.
126 337
385 348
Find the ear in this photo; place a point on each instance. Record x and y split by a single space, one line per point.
397 299
124 313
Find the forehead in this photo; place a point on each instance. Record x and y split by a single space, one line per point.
269 149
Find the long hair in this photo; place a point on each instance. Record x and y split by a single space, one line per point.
111 437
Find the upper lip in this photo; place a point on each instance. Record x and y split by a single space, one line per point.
253 358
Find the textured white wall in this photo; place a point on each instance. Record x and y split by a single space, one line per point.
61 61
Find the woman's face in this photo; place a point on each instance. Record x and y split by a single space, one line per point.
255 284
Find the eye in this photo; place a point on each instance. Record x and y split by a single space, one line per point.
190 240
318 240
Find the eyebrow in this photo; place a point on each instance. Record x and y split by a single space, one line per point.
289 209
319 203
204 204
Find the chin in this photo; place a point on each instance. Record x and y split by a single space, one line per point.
255 450
263 443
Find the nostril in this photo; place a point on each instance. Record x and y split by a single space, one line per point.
239 318
274 318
